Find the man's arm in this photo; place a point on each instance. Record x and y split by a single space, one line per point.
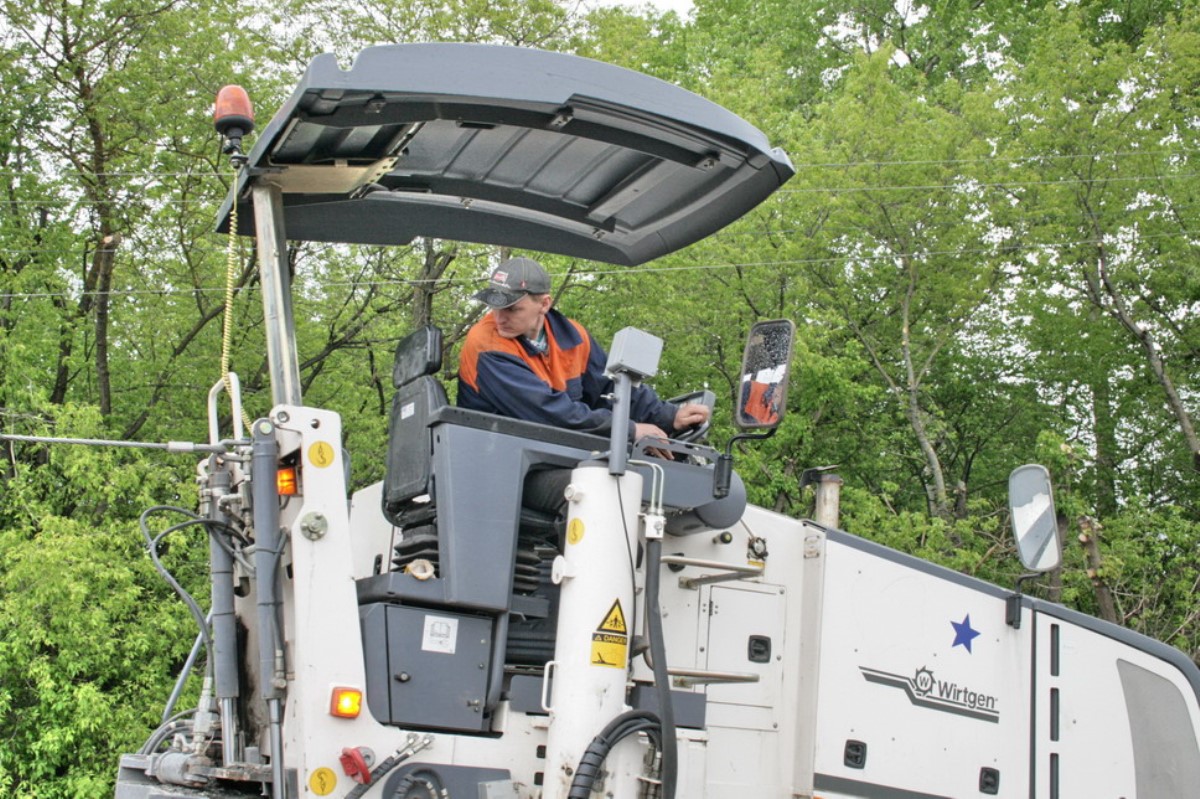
511 388
651 415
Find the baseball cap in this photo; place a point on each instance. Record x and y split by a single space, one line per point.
512 280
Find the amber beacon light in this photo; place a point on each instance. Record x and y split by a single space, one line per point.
233 116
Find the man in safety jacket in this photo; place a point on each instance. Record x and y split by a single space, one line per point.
526 360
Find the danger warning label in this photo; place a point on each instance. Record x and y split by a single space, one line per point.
610 641
614 620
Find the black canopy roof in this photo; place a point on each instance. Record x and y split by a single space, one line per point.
509 146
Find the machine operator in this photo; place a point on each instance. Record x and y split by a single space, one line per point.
526 360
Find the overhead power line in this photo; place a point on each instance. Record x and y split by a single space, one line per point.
1030 158
316 249
1153 180
1003 184
624 271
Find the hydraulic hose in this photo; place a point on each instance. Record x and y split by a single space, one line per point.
662 682
592 761
661 727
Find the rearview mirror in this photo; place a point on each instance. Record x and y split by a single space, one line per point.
1034 521
762 396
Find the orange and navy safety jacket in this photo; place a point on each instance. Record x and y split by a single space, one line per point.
564 386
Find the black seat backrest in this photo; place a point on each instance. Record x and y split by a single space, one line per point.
418 395
418 354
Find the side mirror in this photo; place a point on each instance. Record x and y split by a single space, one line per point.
1034 521
762 396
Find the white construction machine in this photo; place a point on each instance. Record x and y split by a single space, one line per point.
654 636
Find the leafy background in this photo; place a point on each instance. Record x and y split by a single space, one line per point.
990 250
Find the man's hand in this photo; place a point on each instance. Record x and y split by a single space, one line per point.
646 430
691 415
687 416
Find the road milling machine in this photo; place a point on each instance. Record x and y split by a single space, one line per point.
437 636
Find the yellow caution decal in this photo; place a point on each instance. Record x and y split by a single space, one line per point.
322 781
321 454
575 531
610 641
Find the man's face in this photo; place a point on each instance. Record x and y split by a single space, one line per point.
524 317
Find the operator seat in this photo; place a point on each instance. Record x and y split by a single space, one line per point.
407 490
408 496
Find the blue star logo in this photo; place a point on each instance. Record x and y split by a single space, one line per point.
963 634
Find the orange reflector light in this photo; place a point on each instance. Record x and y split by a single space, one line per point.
287 483
346 703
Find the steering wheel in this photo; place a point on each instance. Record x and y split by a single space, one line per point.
699 431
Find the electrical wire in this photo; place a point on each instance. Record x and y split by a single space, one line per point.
1032 157
1007 250
1003 184
632 567
184 673
316 249
231 268
152 542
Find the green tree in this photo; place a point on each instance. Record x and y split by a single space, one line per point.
901 264
1104 193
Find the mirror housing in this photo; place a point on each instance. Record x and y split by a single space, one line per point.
766 366
1034 520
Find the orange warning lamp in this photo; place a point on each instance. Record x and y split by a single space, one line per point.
287 481
233 116
345 703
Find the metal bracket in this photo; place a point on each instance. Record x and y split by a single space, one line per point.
686 678
731 571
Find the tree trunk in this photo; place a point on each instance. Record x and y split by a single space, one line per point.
1119 309
1089 538
916 417
102 267
428 282
1054 585
1105 427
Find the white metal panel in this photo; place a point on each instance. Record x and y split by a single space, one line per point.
924 671
753 730
371 535
1092 740
735 613
595 613
744 718
321 599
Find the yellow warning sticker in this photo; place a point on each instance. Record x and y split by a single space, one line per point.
575 531
321 454
322 781
614 620
609 650
610 642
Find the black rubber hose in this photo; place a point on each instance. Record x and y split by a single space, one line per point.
662 681
592 761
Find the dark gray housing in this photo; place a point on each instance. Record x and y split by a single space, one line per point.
508 146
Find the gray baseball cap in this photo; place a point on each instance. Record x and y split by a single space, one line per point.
512 280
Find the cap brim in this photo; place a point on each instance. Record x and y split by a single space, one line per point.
498 298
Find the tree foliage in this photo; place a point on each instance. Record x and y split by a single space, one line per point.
989 248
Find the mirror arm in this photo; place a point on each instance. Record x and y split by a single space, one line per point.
723 468
1012 603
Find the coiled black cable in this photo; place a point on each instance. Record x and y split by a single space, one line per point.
592 761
